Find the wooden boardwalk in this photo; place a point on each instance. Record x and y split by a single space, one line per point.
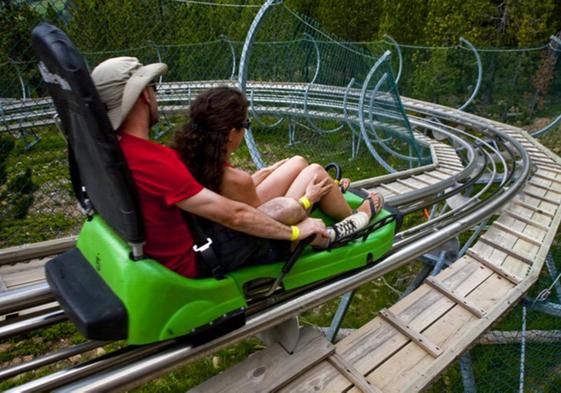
24 265
412 342
445 164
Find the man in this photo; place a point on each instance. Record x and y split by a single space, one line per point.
166 186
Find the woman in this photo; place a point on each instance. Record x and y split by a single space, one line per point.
217 127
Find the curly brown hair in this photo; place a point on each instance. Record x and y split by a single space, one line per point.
202 141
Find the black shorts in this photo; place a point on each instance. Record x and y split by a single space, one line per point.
237 249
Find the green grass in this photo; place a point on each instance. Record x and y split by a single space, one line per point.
53 213
54 201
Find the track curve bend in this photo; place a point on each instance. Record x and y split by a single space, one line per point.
501 157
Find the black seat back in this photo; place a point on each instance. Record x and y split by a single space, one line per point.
99 172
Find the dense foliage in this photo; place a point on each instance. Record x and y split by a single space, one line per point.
134 27
117 24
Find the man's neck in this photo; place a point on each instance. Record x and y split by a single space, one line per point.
137 122
139 132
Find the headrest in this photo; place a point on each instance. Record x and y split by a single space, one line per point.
99 172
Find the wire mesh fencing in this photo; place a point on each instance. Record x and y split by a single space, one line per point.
337 94
311 94
295 113
36 196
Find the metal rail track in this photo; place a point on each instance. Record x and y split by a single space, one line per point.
132 366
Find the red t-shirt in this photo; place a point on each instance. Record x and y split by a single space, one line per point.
162 180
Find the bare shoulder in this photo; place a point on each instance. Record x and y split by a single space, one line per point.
236 176
238 185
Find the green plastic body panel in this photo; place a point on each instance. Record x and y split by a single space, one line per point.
162 304
318 265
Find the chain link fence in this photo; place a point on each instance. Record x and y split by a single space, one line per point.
202 45
289 52
35 193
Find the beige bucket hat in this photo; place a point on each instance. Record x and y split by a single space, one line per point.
120 81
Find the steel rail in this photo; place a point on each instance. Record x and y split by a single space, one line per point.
473 213
25 297
413 195
243 69
255 116
442 219
457 130
449 115
385 264
389 39
378 140
131 375
440 197
473 49
405 198
45 319
177 87
50 358
435 223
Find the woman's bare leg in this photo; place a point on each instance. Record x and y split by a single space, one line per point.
280 180
332 203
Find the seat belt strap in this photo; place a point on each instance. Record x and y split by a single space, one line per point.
203 247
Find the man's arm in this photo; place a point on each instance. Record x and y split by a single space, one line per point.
244 218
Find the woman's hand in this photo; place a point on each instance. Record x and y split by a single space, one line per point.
315 189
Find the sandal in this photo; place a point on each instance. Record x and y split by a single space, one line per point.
343 184
365 195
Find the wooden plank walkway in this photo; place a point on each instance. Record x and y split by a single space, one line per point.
24 265
446 163
450 311
410 344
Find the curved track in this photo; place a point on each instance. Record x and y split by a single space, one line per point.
488 148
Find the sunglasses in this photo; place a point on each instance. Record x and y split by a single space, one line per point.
154 85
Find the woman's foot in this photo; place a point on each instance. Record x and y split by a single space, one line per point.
372 204
344 184
347 227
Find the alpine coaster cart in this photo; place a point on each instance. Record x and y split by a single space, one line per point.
106 286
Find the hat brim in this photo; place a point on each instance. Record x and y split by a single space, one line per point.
134 86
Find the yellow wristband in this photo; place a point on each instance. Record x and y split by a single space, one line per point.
305 202
295 233
336 182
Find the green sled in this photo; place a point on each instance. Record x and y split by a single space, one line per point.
162 304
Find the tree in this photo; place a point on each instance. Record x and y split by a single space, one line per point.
353 20
543 79
403 20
